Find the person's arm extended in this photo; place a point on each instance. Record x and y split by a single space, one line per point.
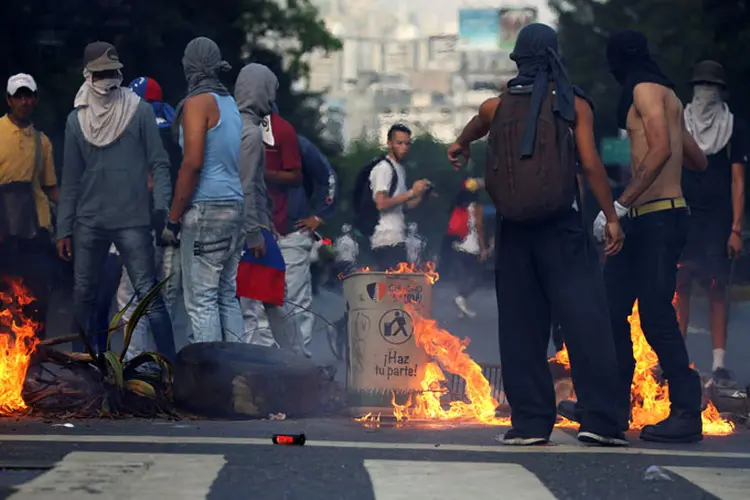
692 156
73 167
194 128
479 126
159 179
591 164
290 174
648 100
383 202
738 196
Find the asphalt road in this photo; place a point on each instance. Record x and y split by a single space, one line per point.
138 460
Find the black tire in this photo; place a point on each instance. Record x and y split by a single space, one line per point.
233 380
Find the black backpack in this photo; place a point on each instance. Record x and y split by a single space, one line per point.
366 213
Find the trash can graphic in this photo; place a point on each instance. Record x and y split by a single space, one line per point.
384 359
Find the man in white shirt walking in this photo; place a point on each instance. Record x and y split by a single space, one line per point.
388 239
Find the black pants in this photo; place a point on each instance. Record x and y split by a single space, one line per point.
32 261
646 269
388 257
547 270
468 273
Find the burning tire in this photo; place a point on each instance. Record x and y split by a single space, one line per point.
233 380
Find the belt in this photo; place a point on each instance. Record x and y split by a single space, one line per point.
657 206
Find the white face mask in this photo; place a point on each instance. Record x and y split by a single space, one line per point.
106 85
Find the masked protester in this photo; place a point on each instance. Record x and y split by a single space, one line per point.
208 206
262 277
112 143
656 224
27 186
717 204
545 260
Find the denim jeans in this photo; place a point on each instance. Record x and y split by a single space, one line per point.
108 282
646 269
136 248
211 244
141 340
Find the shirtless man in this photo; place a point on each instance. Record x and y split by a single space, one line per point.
656 228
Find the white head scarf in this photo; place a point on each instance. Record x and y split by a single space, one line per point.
708 119
105 109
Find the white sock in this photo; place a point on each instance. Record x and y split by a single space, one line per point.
718 359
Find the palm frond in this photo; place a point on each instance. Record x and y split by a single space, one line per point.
138 313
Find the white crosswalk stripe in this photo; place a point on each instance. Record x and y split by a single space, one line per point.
145 476
125 476
727 484
407 480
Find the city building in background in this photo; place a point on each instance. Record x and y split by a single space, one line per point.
427 68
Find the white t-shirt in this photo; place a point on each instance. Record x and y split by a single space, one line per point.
470 244
391 226
346 248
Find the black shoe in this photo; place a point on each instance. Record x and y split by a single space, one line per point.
567 409
514 438
723 377
679 427
601 439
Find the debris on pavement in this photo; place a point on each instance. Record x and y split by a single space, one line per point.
292 439
655 473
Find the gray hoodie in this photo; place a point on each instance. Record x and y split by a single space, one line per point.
255 93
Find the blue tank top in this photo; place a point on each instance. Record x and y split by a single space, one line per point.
220 175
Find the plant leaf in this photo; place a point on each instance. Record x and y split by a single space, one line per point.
86 342
130 366
116 366
139 312
114 325
141 388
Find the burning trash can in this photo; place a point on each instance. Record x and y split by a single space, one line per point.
383 355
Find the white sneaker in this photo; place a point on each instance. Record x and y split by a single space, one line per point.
461 304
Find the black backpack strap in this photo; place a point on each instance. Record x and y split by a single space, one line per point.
394 178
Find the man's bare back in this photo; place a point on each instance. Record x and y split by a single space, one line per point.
660 145
668 183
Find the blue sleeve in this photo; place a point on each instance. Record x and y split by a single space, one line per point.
323 179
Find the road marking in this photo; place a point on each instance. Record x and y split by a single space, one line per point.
722 482
239 441
407 480
125 476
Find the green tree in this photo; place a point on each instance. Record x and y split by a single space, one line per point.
680 32
46 38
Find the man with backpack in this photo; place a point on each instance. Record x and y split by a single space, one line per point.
380 195
545 260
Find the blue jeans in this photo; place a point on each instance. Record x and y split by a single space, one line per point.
136 248
108 281
210 248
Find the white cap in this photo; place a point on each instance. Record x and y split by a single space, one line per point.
19 81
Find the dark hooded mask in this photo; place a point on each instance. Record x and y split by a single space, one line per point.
630 63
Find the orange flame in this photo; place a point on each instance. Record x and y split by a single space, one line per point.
650 400
650 397
18 341
448 353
